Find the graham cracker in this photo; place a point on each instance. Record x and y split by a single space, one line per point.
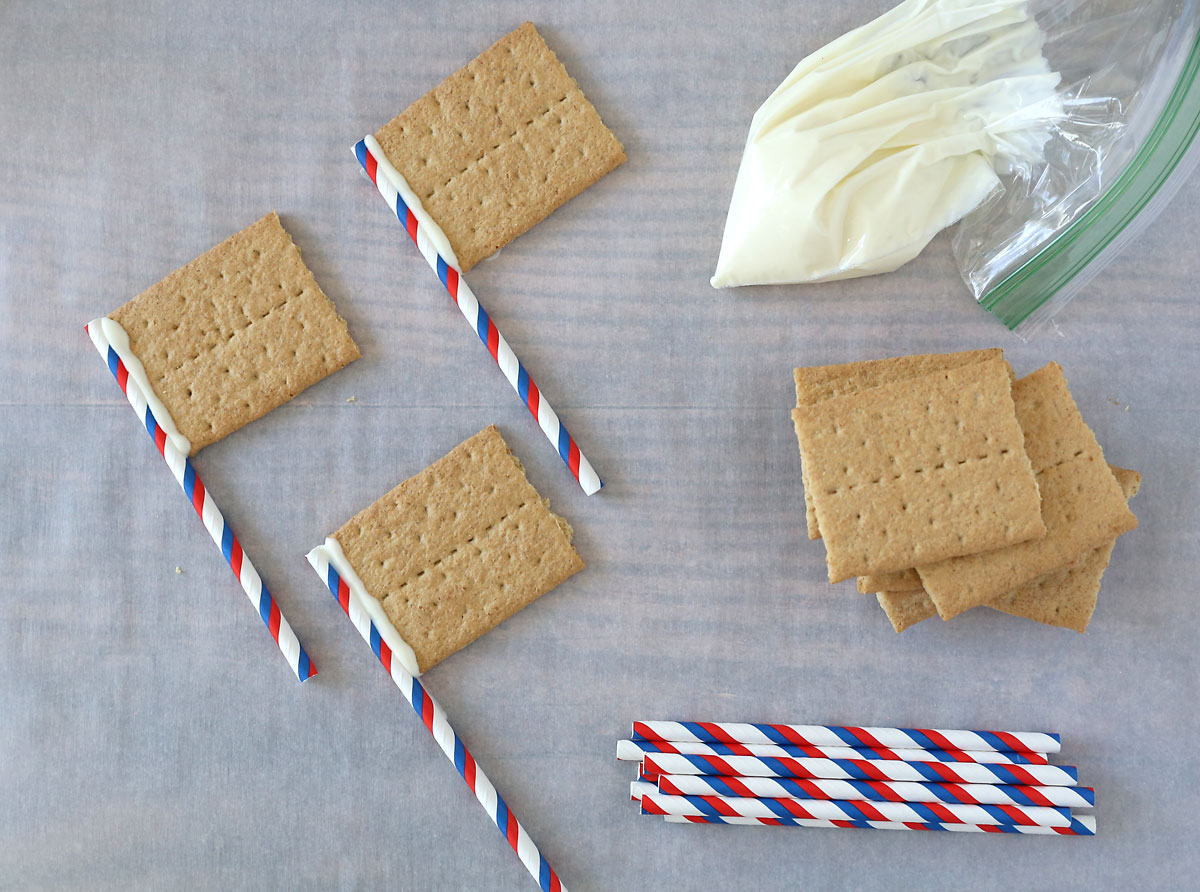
1070 601
902 581
459 548
918 471
906 609
1064 597
1082 504
241 329
816 383
499 145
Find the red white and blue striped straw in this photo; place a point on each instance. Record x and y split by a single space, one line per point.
221 533
433 717
855 810
408 211
1081 825
836 735
861 769
874 791
635 750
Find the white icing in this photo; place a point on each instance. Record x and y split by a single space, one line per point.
396 180
331 553
107 333
884 137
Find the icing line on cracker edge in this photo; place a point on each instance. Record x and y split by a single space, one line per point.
105 331
437 240
331 555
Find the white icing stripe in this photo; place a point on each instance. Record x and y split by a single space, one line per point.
331 555
107 333
434 237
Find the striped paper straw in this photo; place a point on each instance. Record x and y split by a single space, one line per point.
875 791
408 211
434 718
1082 825
862 769
221 533
634 750
855 810
835 735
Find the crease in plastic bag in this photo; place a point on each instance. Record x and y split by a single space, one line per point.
1131 98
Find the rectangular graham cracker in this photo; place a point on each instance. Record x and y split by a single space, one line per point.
1082 504
1065 597
816 383
1071 601
901 581
917 471
499 145
241 329
459 548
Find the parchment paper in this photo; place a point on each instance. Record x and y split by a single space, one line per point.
150 735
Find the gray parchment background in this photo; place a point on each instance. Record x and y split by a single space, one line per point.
150 736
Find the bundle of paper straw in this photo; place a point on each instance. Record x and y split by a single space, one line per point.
856 778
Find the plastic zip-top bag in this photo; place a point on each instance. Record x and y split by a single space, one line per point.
1049 132
1131 103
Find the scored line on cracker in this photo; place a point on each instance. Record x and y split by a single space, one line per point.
517 74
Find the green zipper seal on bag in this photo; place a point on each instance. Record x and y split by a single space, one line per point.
1033 284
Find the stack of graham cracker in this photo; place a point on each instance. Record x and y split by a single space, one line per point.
944 484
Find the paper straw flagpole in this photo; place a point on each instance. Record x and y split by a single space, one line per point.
862 769
221 533
390 185
855 810
835 735
875 791
433 717
1082 825
634 750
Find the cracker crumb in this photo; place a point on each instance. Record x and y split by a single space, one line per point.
352 399
179 571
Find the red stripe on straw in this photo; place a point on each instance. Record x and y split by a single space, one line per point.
794 806
875 772
716 731
885 791
573 458
862 736
273 625
870 811
650 807
452 282
720 805
122 375
235 558
942 812
343 596
941 742
1022 775
493 341
468 768
510 832
1016 814
198 497
427 712
1014 743
410 223
385 655
1037 797
992 828
160 439
959 793
737 786
535 398
372 164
